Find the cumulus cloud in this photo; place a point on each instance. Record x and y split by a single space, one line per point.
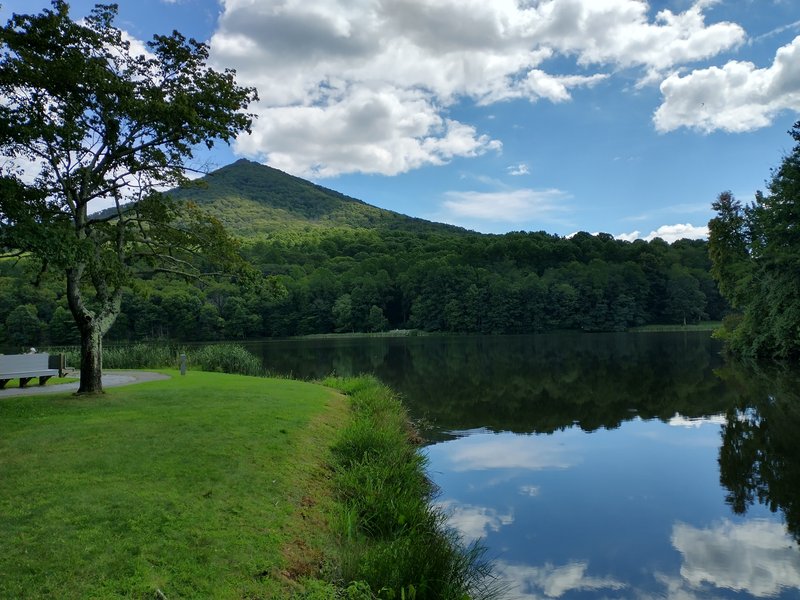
756 557
365 85
736 97
518 170
512 206
385 131
529 582
668 233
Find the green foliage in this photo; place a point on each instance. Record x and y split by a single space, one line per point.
255 200
320 274
221 358
23 327
755 251
225 358
63 330
99 122
395 542
759 458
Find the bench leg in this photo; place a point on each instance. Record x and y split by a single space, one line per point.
3 383
23 381
43 379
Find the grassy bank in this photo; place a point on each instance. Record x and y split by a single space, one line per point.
204 486
222 486
394 543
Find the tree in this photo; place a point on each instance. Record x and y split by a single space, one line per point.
102 123
376 321
755 251
342 313
23 327
62 327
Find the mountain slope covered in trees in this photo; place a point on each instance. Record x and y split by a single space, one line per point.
330 263
251 200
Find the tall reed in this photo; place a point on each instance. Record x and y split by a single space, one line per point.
224 358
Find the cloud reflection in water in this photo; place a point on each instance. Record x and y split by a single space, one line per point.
757 557
474 522
504 451
550 581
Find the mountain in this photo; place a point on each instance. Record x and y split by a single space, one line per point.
252 199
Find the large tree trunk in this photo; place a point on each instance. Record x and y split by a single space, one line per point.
93 326
91 360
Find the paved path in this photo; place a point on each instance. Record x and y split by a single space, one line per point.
110 379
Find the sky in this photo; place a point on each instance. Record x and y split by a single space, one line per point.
619 116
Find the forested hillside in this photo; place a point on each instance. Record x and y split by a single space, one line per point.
335 264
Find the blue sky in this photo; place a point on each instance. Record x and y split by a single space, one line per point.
619 116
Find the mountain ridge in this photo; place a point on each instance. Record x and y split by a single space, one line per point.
252 199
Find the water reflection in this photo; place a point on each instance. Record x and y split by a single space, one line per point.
760 458
756 557
550 581
525 384
600 466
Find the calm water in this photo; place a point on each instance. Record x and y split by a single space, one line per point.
599 466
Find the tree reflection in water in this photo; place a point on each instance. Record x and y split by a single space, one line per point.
759 458
554 382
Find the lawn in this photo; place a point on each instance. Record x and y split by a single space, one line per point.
203 486
33 383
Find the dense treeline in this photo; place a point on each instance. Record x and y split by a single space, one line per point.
756 260
321 280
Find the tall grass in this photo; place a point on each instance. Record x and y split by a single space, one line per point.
225 358
222 358
395 542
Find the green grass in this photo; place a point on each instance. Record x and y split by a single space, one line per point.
34 383
203 486
702 326
395 542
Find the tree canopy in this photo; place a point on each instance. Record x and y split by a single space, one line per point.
84 120
755 253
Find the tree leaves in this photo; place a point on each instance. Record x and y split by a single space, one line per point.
755 252
106 124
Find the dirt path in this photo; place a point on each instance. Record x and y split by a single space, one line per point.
110 379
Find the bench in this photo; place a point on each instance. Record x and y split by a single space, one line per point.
27 366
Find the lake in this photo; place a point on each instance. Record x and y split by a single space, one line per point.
598 466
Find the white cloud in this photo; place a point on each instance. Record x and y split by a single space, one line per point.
527 582
668 233
756 557
385 131
506 451
736 97
474 522
518 169
506 206
365 85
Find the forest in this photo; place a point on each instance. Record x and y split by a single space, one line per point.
328 263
